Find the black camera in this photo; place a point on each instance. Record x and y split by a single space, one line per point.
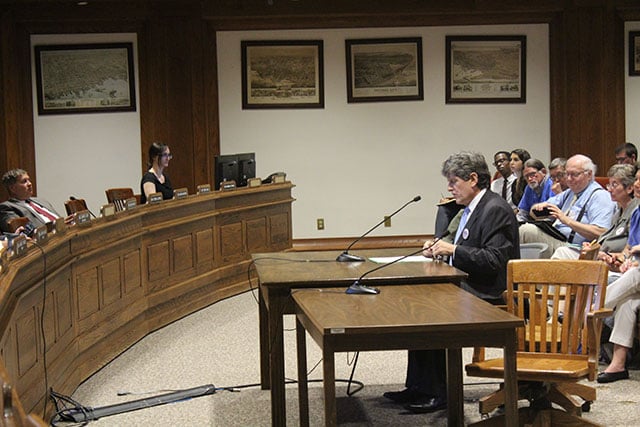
542 212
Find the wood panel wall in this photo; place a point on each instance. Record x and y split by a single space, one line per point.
177 66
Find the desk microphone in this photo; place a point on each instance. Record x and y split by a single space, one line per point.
73 198
358 288
347 257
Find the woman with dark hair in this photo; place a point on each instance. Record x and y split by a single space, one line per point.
517 159
154 180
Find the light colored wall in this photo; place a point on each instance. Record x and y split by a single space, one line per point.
632 91
354 163
351 163
83 154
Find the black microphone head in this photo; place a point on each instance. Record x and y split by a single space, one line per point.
72 198
417 198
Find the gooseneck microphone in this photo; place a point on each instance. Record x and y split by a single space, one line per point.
74 198
358 288
347 257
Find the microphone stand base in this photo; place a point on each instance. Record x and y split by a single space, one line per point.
357 288
347 257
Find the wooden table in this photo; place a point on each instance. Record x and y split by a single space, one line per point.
412 317
278 273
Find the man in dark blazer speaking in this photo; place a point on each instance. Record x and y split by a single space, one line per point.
485 240
21 203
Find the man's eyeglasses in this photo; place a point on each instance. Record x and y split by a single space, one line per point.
500 161
557 177
531 175
575 174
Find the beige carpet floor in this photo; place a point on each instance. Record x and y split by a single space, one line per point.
219 345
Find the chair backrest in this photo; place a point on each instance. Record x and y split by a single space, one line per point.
118 197
591 253
15 223
540 290
532 250
76 205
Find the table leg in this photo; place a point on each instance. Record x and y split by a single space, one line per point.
510 379
263 316
329 376
276 359
303 389
455 402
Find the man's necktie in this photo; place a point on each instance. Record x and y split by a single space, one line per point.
463 222
504 188
41 211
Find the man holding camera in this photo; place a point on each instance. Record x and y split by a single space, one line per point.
579 214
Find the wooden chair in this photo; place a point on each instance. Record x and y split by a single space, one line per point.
75 205
551 354
119 196
15 223
591 253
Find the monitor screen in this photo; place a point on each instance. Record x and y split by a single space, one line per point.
234 167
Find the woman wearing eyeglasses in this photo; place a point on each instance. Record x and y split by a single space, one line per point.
155 180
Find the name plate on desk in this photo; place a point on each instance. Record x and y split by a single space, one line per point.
59 226
155 198
18 246
83 218
254 182
180 193
130 203
227 185
108 210
40 234
279 179
203 189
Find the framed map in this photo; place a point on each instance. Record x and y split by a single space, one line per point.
486 69
384 70
85 78
282 74
634 53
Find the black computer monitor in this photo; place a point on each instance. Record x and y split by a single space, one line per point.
234 167
246 168
225 169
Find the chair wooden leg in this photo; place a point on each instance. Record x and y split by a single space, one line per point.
584 391
567 402
491 401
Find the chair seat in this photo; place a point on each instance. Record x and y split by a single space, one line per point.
535 367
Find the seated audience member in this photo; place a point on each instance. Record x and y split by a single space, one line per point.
502 184
626 153
623 295
517 159
22 204
579 214
154 180
485 240
624 183
538 188
558 175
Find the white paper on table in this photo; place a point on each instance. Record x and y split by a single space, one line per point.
388 259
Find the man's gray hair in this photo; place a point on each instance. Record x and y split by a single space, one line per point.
464 163
11 177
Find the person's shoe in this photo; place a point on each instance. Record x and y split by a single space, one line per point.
609 377
405 396
430 404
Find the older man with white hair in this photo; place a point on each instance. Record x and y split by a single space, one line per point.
579 214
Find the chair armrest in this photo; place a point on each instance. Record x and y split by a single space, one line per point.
594 330
601 313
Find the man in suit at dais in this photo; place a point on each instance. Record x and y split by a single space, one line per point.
21 203
485 240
